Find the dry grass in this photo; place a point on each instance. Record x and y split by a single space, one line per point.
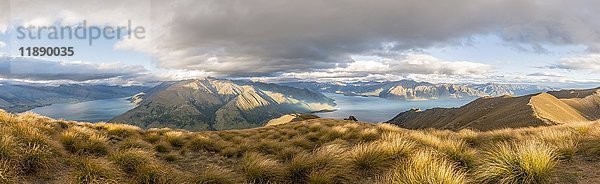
311 151
527 162
425 167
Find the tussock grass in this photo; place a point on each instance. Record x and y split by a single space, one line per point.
425 167
130 161
310 166
370 158
527 162
454 149
176 139
216 175
258 168
34 148
94 171
120 130
200 142
35 158
81 140
163 147
7 172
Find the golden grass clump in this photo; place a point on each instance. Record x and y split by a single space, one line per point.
176 139
425 167
368 134
8 147
526 162
325 163
82 140
133 143
456 150
565 142
216 175
200 142
7 172
35 158
258 168
370 158
120 130
163 147
130 161
94 171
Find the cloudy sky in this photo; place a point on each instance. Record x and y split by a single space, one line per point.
548 42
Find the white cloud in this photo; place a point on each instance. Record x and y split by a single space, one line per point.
2 45
587 62
416 64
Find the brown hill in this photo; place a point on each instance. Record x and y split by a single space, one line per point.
558 107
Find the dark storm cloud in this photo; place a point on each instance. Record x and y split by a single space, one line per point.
268 38
259 37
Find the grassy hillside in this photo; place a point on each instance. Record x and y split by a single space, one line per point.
491 113
35 149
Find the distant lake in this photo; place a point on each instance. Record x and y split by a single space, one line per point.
375 109
91 111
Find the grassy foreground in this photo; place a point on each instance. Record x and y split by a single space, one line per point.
36 149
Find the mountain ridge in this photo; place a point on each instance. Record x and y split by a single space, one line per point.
490 113
217 104
413 90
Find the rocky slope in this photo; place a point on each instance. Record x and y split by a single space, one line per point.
213 104
412 90
19 98
488 113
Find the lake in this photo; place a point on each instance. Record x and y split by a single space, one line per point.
370 109
374 109
90 111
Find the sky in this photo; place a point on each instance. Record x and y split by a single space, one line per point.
545 42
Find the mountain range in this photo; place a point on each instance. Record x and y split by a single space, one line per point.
412 90
214 104
20 98
490 113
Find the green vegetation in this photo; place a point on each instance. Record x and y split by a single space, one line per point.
35 149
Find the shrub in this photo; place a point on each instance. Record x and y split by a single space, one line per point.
260 169
527 162
216 175
425 167
81 140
